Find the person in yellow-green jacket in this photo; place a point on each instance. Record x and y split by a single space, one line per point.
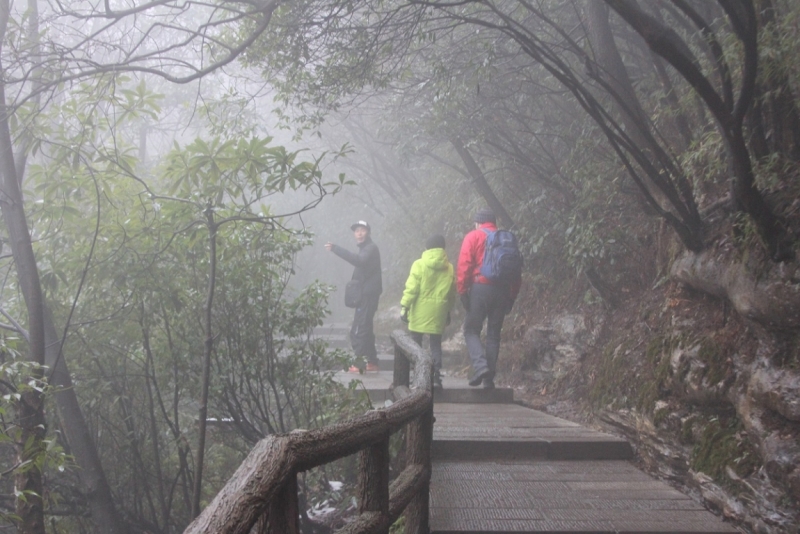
428 297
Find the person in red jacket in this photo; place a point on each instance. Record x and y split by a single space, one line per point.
483 301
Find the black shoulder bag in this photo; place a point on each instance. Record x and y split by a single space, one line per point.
353 293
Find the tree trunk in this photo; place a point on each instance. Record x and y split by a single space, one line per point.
613 71
483 187
45 344
681 120
208 346
105 516
748 198
755 125
149 375
30 408
610 70
729 115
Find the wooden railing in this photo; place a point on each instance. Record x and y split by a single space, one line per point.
262 493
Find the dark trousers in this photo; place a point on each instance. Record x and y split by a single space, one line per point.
436 347
362 335
486 303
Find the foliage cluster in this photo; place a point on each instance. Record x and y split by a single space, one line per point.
18 378
131 260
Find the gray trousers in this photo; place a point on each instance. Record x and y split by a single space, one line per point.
436 347
486 303
362 336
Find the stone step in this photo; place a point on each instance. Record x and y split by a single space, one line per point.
463 394
332 329
386 362
565 448
378 387
336 341
508 431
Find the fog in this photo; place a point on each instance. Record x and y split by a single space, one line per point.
160 161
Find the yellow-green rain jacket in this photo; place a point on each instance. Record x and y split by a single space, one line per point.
430 292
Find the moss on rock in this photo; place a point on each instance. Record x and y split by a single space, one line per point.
722 445
711 356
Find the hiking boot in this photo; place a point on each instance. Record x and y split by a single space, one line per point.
478 377
372 368
355 370
488 383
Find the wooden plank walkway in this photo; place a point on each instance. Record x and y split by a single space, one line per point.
559 496
506 468
500 467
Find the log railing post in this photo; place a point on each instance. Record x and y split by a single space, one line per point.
418 447
401 367
284 513
261 497
373 480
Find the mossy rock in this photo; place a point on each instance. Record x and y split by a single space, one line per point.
608 386
653 387
723 445
687 429
712 357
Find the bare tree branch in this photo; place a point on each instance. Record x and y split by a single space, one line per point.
14 326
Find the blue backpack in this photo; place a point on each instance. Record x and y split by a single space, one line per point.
502 260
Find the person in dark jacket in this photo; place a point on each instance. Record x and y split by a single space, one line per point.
483 301
367 263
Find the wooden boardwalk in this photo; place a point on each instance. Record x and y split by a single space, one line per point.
500 467
506 468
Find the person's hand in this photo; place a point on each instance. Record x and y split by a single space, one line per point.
328 246
404 315
465 300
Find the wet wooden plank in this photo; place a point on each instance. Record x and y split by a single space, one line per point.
560 496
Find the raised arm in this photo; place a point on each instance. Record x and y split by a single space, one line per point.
362 259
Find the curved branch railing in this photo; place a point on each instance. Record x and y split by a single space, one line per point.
262 493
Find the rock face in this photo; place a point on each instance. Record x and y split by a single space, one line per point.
771 298
777 389
554 349
711 397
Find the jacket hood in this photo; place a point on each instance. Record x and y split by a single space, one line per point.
435 258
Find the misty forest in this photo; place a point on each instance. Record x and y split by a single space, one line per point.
170 171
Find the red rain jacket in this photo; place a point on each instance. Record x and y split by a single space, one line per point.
470 259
